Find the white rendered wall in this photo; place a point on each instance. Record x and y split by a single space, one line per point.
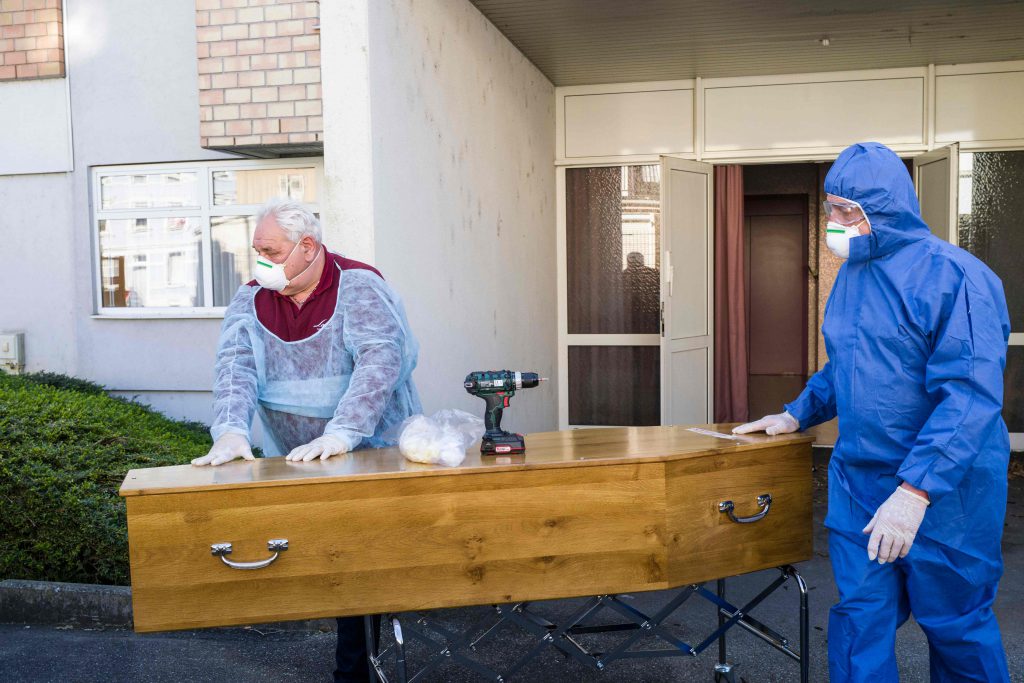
35 127
37 271
347 213
463 144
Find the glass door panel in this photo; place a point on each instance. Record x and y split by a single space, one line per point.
613 296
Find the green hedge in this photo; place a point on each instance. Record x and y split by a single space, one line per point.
65 447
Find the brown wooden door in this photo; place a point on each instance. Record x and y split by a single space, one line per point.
776 279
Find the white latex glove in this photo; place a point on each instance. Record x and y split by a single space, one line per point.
783 423
321 447
225 449
895 525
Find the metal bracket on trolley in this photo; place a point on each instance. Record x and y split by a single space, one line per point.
444 645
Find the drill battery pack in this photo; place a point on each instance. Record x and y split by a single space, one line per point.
502 444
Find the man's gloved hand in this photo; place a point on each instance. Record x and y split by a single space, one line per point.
895 525
225 449
783 423
322 447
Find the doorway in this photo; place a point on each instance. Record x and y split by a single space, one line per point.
775 265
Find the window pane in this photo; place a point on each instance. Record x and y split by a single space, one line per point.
151 262
991 221
257 185
149 191
233 257
613 221
614 385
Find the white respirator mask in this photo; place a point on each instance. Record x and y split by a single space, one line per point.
838 236
270 275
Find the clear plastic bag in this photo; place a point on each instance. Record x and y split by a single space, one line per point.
441 439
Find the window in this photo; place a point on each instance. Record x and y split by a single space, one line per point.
991 226
175 239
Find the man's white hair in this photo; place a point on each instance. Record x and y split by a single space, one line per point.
293 217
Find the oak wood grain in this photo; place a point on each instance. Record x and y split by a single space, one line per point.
567 448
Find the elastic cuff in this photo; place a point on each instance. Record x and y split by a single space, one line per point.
217 432
794 412
350 440
914 495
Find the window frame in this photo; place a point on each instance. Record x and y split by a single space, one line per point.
205 212
1016 336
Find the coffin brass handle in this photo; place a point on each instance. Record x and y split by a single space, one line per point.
274 545
764 501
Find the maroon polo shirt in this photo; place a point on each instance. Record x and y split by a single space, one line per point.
280 315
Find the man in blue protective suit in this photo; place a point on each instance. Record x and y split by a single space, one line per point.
916 332
320 346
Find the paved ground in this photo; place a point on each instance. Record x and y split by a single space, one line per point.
76 655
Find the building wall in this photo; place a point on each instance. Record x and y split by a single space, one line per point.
463 142
122 115
259 72
31 39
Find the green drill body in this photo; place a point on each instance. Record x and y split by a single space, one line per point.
496 388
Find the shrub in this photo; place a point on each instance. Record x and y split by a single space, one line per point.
52 379
65 448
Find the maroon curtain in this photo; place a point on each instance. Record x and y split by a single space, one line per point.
730 299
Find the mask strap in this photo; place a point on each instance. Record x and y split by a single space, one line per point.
308 266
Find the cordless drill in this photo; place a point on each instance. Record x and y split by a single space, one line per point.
496 387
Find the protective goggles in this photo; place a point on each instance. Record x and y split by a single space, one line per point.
844 212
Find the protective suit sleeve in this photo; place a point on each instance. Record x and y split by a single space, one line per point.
817 402
375 336
235 377
964 378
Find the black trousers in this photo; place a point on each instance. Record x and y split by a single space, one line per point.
350 657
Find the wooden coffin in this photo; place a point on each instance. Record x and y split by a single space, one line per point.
583 512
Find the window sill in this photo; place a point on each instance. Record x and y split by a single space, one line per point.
212 315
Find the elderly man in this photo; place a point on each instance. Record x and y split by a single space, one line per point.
916 332
320 345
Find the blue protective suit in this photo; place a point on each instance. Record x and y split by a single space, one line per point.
916 332
352 378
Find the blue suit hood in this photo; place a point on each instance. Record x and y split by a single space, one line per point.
871 174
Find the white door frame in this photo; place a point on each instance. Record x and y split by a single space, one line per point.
565 340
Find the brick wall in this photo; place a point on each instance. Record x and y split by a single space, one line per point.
259 73
31 39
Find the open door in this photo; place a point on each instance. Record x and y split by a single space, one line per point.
687 350
936 176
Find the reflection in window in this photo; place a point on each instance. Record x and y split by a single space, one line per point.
991 226
167 242
233 257
991 221
255 186
149 191
613 222
164 268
